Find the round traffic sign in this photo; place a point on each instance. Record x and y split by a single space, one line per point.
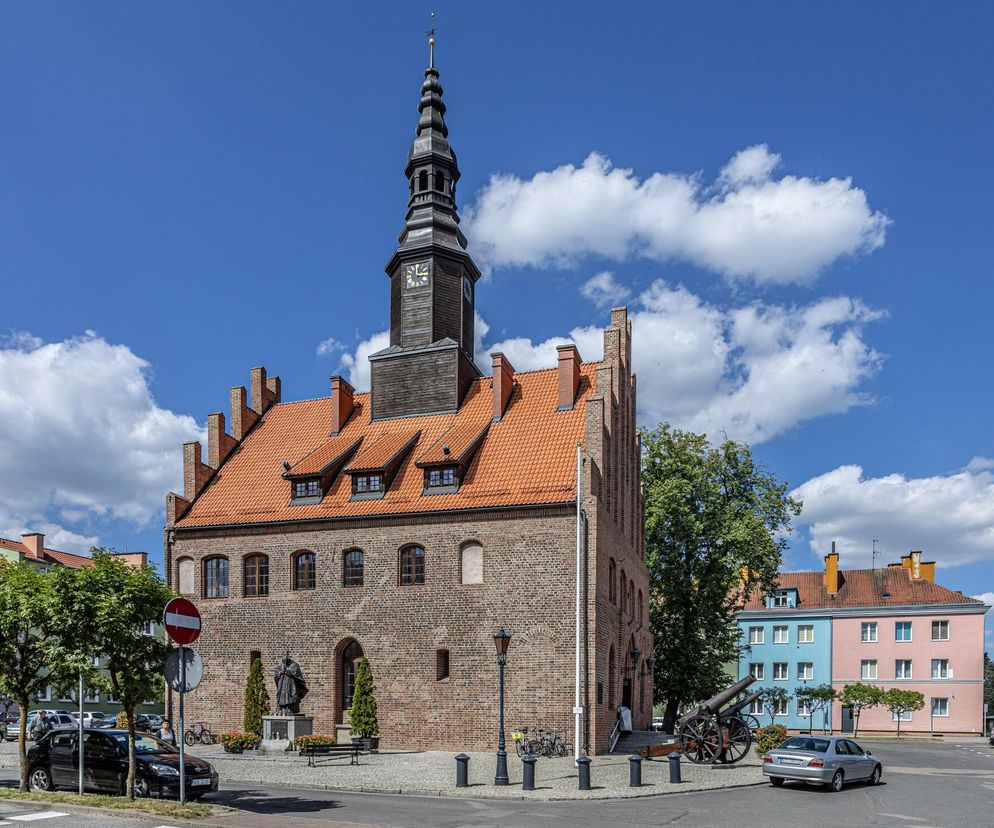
193 674
182 620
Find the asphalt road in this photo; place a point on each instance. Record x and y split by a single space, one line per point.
925 786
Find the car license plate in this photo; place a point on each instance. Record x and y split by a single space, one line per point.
790 761
200 781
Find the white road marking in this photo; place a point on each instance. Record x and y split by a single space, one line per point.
36 816
899 816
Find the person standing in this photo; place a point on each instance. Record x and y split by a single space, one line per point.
41 727
166 733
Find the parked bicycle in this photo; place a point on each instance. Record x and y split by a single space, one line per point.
199 733
540 741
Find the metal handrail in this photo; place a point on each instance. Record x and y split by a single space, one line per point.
615 735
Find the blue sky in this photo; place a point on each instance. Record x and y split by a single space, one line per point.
793 200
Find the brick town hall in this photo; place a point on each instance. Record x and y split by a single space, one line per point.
410 523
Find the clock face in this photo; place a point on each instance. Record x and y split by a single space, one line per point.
467 289
416 274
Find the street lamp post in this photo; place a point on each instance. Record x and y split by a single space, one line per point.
502 640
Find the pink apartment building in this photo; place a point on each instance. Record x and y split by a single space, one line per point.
901 629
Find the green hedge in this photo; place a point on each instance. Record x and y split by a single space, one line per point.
770 737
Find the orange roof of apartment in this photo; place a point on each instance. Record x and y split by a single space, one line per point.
49 555
527 458
890 586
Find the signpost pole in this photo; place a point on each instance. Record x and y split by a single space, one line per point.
80 746
181 733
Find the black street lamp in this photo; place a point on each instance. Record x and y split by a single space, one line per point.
502 640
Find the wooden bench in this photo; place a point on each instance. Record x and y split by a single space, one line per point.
312 752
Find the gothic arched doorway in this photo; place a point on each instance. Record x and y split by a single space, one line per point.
349 664
628 678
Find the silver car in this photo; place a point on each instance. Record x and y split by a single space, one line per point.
829 760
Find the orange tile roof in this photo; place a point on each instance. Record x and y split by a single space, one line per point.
50 555
381 451
324 456
527 458
862 588
458 439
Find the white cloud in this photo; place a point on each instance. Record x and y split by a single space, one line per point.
604 290
82 439
357 364
747 225
979 463
950 517
986 597
329 346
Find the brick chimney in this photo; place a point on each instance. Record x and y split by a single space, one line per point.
242 417
342 394
503 384
35 542
832 571
219 443
195 473
569 375
265 391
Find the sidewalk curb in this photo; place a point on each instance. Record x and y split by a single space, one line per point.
123 813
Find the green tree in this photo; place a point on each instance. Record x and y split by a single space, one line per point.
715 526
901 701
29 657
256 699
110 604
817 699
859 697
775 698
362 715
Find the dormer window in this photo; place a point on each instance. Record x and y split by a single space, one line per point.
782 598
306 488
441 477
367 483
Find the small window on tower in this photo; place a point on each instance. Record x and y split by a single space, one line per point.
422 181
440 182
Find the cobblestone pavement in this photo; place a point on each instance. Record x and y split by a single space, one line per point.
433 773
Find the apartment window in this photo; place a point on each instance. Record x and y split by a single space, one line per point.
940 707
806 634
256 576
940 668
803 707
805 671
781 635
148 628
868 668
305 570
66 695
472 563
868 632
216 578
45 694
756 707
902 631
780 707
904 717
755 635
780 671
781 599
940 630
902 668
412 565
94 661
757 671
441 665
353 565
92 695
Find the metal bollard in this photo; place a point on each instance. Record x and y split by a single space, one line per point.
528 778
634 771
462 771
674 760
583 766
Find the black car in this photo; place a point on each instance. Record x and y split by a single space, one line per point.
54 762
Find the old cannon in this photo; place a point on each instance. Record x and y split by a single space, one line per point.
714 732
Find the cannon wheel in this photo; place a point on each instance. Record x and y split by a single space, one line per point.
751 721
700 740
739 740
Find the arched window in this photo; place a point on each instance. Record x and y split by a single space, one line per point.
256 576
622 591
351 656
412 565
610 677
439 182
631 598
304 570
612 577
641 614
216 577
353 568
184 570
472 563
422 181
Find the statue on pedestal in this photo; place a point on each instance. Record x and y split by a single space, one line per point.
290 687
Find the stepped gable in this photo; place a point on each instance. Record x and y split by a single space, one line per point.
527 458
889 586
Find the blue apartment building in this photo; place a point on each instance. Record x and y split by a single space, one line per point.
784 646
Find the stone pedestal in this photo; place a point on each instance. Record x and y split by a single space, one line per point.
278 732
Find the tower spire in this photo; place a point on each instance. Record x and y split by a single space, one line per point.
431 42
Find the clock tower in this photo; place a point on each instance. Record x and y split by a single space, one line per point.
429 364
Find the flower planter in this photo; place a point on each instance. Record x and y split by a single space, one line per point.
370 743
232 748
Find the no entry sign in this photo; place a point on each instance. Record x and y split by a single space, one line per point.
182 620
